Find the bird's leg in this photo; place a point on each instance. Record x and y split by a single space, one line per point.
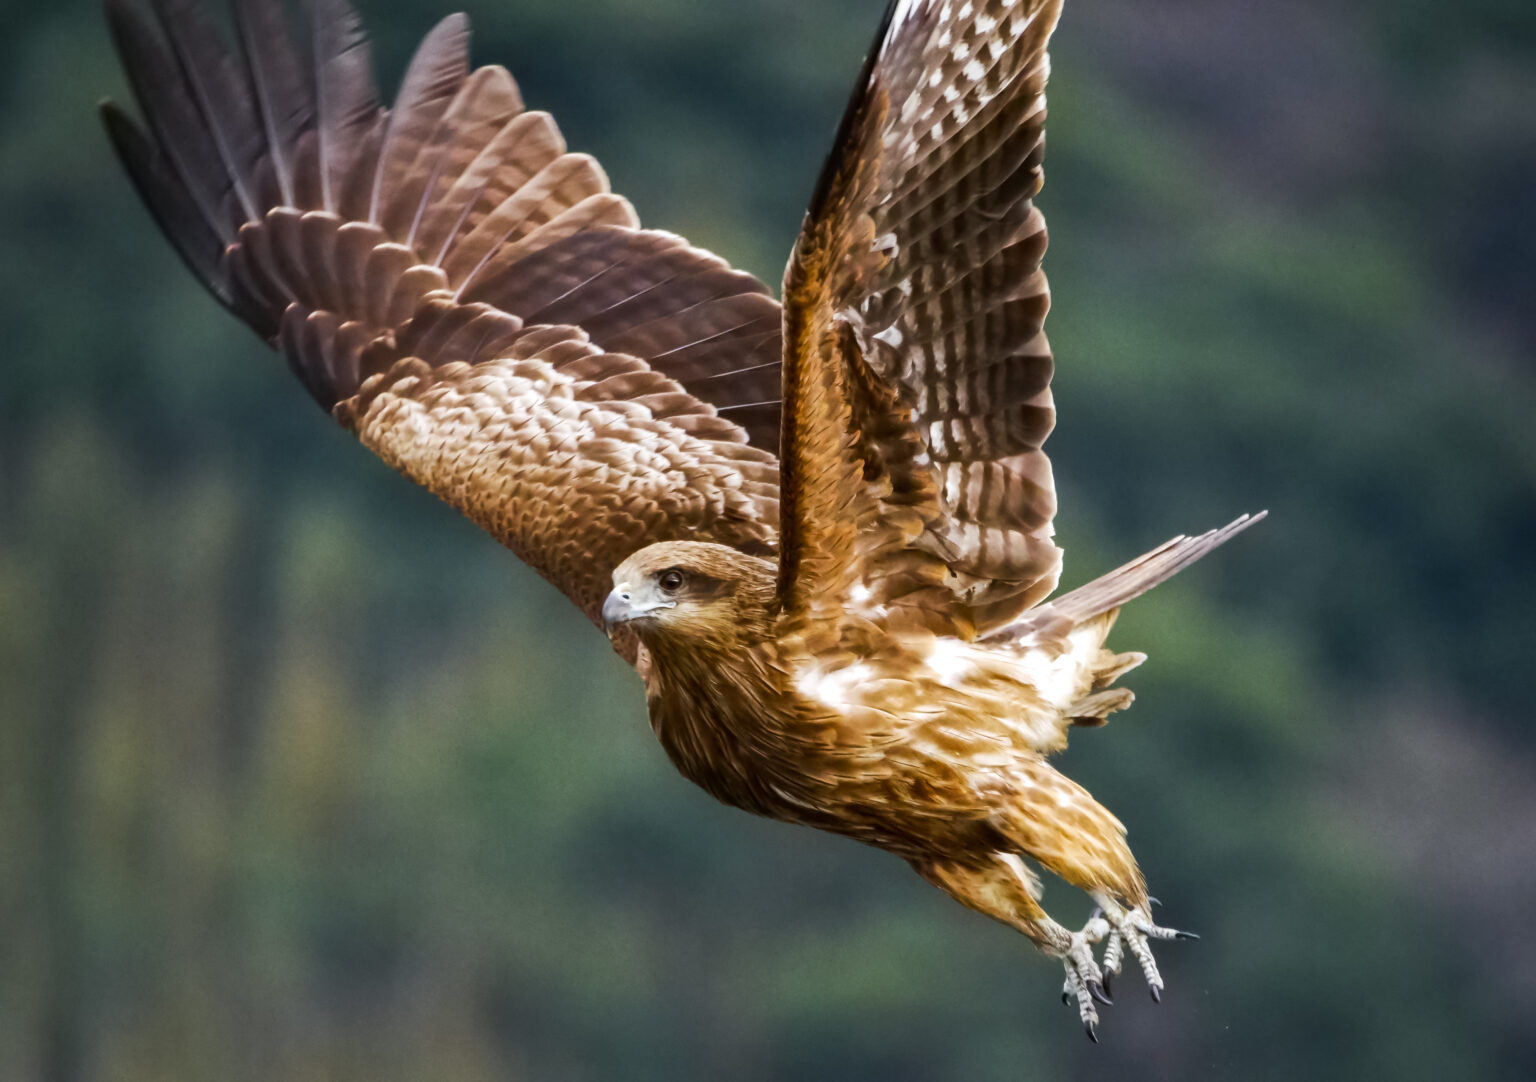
1130 929
1002 888
1077 985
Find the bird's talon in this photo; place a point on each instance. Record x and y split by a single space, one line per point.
1114 953
1129 931
1084 982
1088 1028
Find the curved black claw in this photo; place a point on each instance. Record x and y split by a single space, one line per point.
1185 935
1066 999
1096 990
1092 1036
1107 991
1157 994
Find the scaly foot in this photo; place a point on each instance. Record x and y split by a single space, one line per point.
1085 983
1129 929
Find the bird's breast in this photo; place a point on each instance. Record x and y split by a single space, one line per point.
725 739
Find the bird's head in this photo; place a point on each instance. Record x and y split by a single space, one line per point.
691 592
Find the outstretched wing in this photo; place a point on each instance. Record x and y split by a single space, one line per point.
917 378
456 288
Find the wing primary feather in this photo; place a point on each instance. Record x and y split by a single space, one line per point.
181 137
853 115
425 202
347 102
464 213
210 79
283 102
168 200
434 74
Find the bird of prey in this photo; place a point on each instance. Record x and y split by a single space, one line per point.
820 530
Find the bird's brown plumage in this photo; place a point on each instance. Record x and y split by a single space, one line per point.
457 288
852 638
917 375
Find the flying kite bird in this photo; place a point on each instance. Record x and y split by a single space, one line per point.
855 635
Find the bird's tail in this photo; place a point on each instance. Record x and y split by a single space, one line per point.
1070 630
1105 594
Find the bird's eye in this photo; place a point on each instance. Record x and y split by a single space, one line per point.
670 580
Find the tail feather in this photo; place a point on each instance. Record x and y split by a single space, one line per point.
1126 583
1093 710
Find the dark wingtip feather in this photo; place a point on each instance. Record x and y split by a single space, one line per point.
849 131
284 100
436 72
347 99
168 200
180 136
219 94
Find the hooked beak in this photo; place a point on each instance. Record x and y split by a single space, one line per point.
625 604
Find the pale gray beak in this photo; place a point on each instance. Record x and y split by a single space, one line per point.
617 610
625 604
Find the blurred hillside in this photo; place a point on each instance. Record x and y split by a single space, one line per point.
301 777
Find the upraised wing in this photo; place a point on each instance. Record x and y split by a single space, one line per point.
917 375
456 288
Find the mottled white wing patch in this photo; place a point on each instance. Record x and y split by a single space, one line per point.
839 689
1063 675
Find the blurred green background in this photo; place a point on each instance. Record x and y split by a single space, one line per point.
302 777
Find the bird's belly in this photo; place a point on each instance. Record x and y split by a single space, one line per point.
889 801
